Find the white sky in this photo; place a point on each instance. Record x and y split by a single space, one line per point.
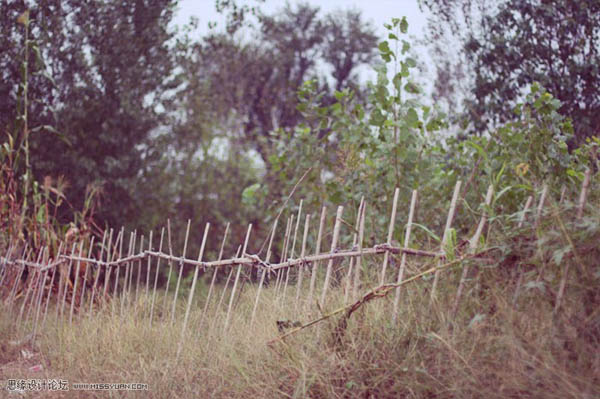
377 12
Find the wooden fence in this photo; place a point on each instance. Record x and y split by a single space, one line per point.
99 281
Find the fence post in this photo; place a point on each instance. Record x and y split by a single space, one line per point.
390 235
187 234
191 297
214 277
162 233
472 248
263 274
237 277
411 215
336 234
358 268
445 236
302 254
315 265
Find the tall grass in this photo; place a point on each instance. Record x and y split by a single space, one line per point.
490 349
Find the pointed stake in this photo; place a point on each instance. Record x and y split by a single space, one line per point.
315 265
334 241
472 248
170 244
445 236
358 268
302 254
83 284
187 235
139 272
214 277
148 267
191 297
54 272
74 296
237 277
99 269
352 260
109 268
263 273
162 234
386 256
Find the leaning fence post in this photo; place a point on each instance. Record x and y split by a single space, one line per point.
40 295
264 273
411 214
445 236
214 277
25 255
472 248
191 297
283 255
54 271
292 252
109 266
139 271
315 265
358 267
170 244
386 256
148 266
354 240
74 296
237 277
82 298
29 288
162 233
118 267
187 234
99 269
302 253
336 234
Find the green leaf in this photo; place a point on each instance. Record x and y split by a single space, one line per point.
404 25
412 118
249 194
429 232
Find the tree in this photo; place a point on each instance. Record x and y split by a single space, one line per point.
103 78
510 45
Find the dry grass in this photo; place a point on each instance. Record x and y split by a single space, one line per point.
489 350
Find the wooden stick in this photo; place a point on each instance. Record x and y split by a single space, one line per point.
289 256
130 266
472 248
39 285
214 278
148 266
237 277
584 191
97 275
302 254
263 274
74 296
170 265
66 288
40 296
139 272
336 234
445 236
390 235
191 297
283 255
54 271
354 240
29 288
411 215
162 233
108 257
227 283
315 266
127 271
26 254
82 298
358 268
187 234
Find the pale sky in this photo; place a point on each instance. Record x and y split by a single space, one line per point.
377 12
